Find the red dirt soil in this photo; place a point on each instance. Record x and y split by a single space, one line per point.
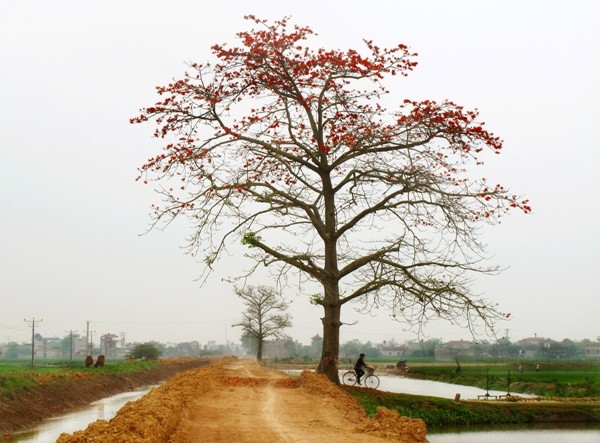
239 400
58 394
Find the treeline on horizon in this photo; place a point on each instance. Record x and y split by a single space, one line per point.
288 348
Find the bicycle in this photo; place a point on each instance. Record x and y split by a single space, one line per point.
369 379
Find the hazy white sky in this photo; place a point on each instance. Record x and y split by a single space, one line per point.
72 73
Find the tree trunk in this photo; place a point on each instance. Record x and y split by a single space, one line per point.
331 296
260 347
331 343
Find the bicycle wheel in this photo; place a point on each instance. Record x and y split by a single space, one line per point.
371 381
349 378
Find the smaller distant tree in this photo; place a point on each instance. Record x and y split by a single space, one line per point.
265 315
12 352
372 351
352 348
427 348
144 351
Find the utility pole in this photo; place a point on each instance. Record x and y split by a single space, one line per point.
87 337
33 322
91 351
70 344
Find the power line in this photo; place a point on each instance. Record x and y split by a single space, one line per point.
33 322
71 344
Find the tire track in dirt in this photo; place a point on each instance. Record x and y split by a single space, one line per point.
270 413
242 402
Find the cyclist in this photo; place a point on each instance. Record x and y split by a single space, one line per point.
359 367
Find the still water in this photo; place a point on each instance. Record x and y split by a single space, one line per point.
534 433
49 430
434 388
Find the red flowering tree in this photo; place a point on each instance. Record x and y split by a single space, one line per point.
290 150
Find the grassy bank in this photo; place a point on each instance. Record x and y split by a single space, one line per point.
441 412
17 375
572 379
62 389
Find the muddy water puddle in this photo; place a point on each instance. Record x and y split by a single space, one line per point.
533 433
49 430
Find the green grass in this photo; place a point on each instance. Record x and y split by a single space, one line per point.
443 412
16 375
555 379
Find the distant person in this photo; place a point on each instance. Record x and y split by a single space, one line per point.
520 368
359 367
458 368
537 367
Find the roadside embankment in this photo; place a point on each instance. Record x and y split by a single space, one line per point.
23 408
241 401
441 412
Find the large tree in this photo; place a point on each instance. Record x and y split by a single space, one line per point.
291 150
265 315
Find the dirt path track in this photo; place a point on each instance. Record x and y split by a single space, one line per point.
263 408
240 401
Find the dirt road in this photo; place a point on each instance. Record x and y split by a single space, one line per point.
240 401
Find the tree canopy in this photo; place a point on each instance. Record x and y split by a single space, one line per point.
145 351
290 150
265 315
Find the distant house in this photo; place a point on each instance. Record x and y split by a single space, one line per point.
530 346
210 345
392 350
533 341
592 350
47 347
276 349
455 349
316 346
108 345
460 345
80 346
413 346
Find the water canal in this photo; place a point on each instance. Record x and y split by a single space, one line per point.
49 430
530 433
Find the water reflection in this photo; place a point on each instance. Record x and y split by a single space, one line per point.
530 433
404 385
434 388
105 409
49 430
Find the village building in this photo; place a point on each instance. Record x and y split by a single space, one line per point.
390 349
454 349
591 350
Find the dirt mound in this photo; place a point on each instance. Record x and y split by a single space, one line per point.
237 400
61 394
155 417
385 423
389 424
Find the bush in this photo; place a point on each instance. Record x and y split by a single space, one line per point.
144 351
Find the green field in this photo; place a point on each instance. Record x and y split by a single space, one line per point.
442 412
577 379
19 374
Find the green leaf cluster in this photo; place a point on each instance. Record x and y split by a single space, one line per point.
251 239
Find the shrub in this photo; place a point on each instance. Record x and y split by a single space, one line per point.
144 351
